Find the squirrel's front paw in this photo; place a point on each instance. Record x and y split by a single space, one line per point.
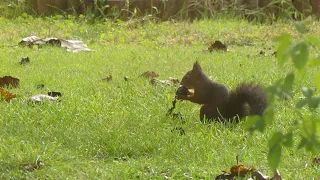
181 97
183 93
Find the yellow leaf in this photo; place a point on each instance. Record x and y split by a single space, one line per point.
6 95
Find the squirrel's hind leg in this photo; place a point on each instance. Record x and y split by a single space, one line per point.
209 113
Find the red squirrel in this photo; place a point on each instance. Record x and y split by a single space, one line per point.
218 101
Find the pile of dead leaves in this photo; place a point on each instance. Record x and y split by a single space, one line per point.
217 46
8 82
241 171
71 45
31 167
149 74
6 95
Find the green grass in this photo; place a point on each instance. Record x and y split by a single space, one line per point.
119 129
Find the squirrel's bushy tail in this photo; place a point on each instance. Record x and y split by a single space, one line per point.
247 99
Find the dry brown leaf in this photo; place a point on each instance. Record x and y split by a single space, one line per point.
259 176
54 94
149 74
262 53
108 78
40 86
174 80
6 95
316 161
225 176
29 41
274 54
7 81
240 170
31 167
25 60
217 45
276 176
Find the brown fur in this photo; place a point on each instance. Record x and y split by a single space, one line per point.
218 102
7 81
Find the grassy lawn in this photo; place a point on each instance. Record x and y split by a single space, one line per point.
119 129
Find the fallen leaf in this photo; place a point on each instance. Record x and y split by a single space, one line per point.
107 79
29 41
123 158
31 167
174 80
25 60
316 161
259 176
149 74
6 95
54 94
171 81
7 81
155 81
224 176
217 45
75 46
43 97
53 41
71 45
276 176
240 170
274 54
262 53
40 86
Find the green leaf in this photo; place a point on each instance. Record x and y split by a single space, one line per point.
288 83
288 140
300 55
268 115
313 40
317 80
302 143
254 123
284 48
313 103
301 27
275 139
301 103
307 92
274 156
275 148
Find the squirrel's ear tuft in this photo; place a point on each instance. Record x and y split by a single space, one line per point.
196 66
